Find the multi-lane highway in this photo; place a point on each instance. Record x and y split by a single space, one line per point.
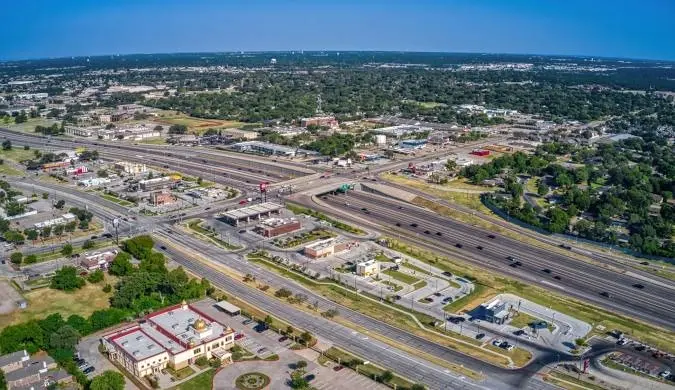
577 278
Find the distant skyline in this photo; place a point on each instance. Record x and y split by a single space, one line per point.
601 28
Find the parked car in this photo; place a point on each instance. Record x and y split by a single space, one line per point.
338 368
447 273
246 322
480 336
282 339
89 370
239 336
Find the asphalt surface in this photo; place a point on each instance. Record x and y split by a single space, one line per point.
577 278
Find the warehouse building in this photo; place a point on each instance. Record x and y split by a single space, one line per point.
176 337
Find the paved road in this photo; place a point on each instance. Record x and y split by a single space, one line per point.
577 278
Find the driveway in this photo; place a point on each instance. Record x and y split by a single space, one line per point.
88 349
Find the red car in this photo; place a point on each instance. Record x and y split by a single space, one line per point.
239 336
243 202
338 368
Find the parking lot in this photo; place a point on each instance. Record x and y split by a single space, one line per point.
88 350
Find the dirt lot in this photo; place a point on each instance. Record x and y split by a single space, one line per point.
8 297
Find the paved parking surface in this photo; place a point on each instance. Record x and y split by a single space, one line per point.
88 349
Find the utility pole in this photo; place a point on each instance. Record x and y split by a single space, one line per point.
116 224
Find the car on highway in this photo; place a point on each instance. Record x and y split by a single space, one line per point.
480 336
605 294
364 209
479 247
93 237
458 245
208 208
546 271
510 258
242 231
491 236
398 224
162 247
427 232
439 234
638 286
413 225
447 273
518 263
557 277
564 246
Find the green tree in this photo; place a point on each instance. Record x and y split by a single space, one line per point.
58 230
121 265
45 195
59 204
109 380
32 234
14 237
67 279
178 129
542 189
306 337
96 276
418 386
46 232
16 257
67 250
7 145
87 244
387 376
30 259
300 364
66 337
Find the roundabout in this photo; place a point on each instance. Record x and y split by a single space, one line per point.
252 381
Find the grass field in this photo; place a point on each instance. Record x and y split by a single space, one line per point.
521 320
519 356
560 379
46 301
114 199
29 125
9 170
17 154
199 382
401 277
198 125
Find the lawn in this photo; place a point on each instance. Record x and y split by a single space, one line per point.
336 224
553 377
199 382
17 154
114 199
29 125
153 141
9 170
198 125
180 374
195 225
521 320
303 238
45 301
401 277
519 356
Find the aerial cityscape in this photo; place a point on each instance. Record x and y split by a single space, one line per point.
285 211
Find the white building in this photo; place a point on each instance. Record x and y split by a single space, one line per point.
130 168
65 218
176 336
95 181
367 268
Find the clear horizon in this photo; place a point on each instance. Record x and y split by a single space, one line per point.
602 28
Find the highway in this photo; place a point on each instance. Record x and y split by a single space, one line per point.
577 278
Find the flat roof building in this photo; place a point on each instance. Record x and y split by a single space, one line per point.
156 183
402 130
368 268
495 311
176 336
255 211
40 371
270 149
325 248
273 227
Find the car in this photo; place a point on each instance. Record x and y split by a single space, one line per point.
605 294
338 368
282 339
518 263
439 234
569 248
366 212
398 224
504 344
364 209
82 364
447 299
480 336
93 237
260 327
400 207
510 258
243 201
262 350
242 231
640 348
413 225
427 232
557 277
438 294
509 347
546 271
447 273
107 235
491 236
239 336
513 265
644 263
479 247
428 299
89 370
79 362
208 208
497 342
638 286
246 322
162 247
458 245
397 297
519 332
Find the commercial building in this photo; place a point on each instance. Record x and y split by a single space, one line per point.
239 134
413 143
480 152
156 183
270 149
273 227
160 198
77 170
255 211
130 168
53 166
328 121
23 372
94 181
399 131
176 337
368 268
495 311
65 218
97 260
325 248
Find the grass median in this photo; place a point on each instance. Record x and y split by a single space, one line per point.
336 224
385 313
208 235
488 284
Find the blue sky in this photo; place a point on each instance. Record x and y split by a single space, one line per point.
618 28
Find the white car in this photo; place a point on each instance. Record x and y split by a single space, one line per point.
497 342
